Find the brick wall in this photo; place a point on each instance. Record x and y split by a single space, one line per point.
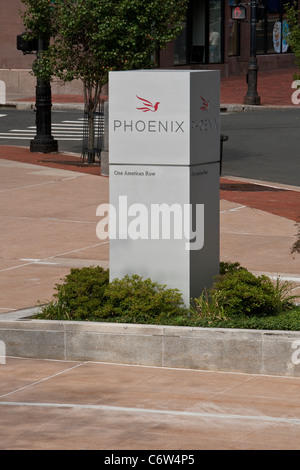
10 26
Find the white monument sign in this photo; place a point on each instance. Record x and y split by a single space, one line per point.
2 352
2 92
164 144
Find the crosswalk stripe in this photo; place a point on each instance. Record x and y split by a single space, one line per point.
25 131
27 137
66 130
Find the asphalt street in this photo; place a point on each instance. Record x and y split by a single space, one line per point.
17 127
262 145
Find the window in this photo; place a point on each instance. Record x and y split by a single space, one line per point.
198 32
181 47
215 31
201 40
271 31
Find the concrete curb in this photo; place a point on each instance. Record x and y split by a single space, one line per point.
246 107
28 105
216 349
231 107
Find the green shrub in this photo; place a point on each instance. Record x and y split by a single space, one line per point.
86 294
229 267
288 320
133 299
208 308
237 299
81 293
239 292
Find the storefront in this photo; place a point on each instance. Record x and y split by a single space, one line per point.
201 40
211 39
272 31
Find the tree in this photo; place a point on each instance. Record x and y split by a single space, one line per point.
293 15
89 38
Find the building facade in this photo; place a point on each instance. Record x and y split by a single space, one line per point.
15 68
210 39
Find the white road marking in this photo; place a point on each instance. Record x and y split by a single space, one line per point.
40 381
234 209
189 414
41 184
47 259
64 131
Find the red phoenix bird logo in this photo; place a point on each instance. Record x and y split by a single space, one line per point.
205 104
148 106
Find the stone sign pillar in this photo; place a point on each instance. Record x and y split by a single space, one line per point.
164 163
2 92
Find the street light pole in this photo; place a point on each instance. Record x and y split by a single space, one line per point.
252 96
43 142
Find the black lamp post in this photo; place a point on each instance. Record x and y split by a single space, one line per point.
252 96
43 142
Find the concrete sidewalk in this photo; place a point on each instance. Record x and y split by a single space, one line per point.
48 225
57 405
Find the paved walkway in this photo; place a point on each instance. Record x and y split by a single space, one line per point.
48 221
273 87
48 225
57 405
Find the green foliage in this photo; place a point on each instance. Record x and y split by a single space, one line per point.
86 294
208 308
80 294
237 299
242 293
288 320
239 292
136 300
92 37
38 18
294 32
229 267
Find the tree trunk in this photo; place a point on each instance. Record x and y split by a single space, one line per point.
91 100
